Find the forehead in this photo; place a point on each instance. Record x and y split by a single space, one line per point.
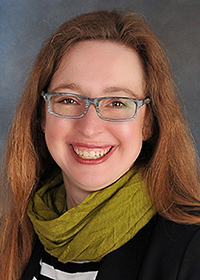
99 62
92 50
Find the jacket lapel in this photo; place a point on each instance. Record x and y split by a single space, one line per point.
125 262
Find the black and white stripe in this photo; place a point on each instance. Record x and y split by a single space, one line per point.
43 266
52 269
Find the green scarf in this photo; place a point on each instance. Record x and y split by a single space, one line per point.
103 222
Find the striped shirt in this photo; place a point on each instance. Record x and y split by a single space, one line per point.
49 268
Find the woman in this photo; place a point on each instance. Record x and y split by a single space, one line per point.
100 177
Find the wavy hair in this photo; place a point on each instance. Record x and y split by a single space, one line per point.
168 158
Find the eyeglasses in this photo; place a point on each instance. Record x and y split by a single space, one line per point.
74 106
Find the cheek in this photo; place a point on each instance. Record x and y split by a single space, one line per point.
130 137
55 131
52 129
132 131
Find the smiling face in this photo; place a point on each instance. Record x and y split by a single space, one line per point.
93 153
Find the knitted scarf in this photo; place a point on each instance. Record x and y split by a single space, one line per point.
103 222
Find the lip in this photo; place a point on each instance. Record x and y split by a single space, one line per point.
88 147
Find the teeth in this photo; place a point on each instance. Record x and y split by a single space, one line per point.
91 154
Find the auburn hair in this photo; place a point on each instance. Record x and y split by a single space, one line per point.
168 158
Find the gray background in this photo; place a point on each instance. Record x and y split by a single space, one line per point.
26 24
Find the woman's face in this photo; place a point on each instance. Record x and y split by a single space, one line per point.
96 69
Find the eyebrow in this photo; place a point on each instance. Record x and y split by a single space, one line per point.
71 86
108 90
119 89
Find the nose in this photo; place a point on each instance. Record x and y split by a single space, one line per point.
91 124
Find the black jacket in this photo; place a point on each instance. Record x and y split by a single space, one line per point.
162 250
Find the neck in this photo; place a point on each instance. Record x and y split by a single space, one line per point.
75 194
73 201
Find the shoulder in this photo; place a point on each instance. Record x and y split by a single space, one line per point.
173 250
172 230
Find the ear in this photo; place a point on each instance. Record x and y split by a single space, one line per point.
43 121
146 131
43 124
43 118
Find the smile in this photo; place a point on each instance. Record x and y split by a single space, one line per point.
91 154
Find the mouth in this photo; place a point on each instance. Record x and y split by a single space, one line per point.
91 154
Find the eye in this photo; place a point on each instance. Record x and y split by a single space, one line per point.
65 100
115 103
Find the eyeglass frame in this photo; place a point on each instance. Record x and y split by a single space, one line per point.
95 101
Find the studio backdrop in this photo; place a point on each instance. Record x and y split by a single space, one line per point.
26 24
